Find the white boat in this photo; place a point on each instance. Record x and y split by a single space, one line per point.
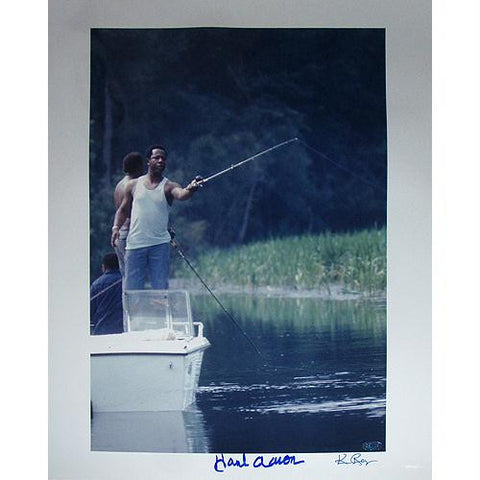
155 365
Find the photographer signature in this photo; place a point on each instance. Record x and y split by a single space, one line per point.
355 459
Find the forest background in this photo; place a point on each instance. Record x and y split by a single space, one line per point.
215 96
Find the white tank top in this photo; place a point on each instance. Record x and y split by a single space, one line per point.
149 217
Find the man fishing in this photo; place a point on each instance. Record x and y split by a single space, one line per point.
147 201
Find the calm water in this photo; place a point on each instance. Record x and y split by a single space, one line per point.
319 386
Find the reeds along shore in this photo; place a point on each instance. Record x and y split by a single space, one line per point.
356 261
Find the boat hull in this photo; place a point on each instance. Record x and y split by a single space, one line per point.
162 377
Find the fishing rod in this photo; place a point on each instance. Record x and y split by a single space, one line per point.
202 181
175 245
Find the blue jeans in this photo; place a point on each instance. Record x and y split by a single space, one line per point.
153 261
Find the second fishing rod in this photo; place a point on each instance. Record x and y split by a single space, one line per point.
179 250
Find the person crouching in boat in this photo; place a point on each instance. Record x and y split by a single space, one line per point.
106 312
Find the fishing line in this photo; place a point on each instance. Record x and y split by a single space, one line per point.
101 292
374 185
180 252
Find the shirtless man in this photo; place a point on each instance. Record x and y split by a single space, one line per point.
146 201
133 168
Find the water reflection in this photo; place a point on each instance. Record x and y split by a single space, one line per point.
176 432
319 387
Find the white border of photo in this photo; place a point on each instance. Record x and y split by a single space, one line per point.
456 241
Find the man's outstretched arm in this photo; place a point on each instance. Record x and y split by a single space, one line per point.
179 193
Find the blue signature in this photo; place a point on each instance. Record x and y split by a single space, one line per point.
222 462
355 459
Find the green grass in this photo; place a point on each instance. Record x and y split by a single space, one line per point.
357 261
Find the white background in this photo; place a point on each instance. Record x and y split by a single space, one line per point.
456 244
456 241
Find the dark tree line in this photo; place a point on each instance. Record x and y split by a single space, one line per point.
214 97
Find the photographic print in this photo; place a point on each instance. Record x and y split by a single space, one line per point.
240 271
279 252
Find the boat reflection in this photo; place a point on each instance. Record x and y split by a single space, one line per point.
169 431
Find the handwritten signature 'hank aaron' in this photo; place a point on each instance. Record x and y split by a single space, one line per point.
355 459
222 462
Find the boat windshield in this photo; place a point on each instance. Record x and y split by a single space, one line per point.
159 310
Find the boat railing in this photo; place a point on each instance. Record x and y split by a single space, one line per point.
199 325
